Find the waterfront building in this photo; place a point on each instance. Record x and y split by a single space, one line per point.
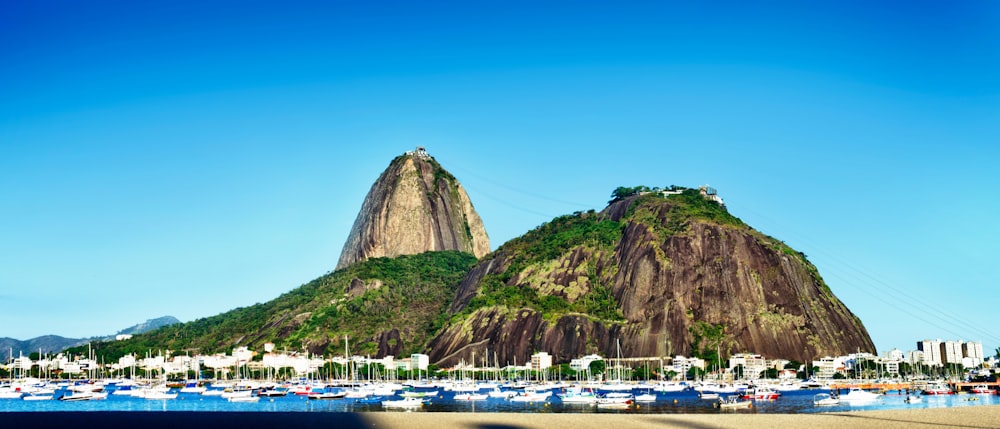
973 350
583 364
681 365
419 361
951 352
931 352
828 366
753 364
541 361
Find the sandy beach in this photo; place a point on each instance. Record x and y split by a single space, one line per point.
960 417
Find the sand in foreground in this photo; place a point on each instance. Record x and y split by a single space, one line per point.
961 417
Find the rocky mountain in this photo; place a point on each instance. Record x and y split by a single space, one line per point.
55 343
655 273
415 206
661 274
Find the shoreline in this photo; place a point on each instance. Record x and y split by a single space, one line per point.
985 416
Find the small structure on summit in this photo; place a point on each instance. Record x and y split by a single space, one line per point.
420 152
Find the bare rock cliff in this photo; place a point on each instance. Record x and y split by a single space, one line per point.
415 206
681 285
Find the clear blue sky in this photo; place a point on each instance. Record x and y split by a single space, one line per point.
179 158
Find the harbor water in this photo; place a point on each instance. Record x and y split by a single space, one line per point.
800 401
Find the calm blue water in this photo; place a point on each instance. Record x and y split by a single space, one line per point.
682 402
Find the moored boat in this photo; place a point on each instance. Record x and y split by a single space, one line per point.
762 393
982 389
615 400
857 395
937 389
406 402
823 399
734 402
471 396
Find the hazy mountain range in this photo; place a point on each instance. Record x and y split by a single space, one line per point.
55 343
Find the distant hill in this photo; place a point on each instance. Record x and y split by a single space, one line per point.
45 343
55 343
148 325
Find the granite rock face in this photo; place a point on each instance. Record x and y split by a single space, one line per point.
679 283
415 206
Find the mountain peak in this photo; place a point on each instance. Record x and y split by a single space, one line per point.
414 206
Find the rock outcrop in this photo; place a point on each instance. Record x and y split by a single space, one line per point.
415 206
686 279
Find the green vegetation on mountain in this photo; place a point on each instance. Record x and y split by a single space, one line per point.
548 242
407 293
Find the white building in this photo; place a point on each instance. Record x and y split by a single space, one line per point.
973 350
419 361
932 352
681 365
951 352
583 364
541 361
828 366
753 364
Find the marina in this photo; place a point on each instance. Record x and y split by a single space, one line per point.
538 399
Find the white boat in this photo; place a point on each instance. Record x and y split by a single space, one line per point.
670 387
406 402
576 395
706 395
531 395
8 393
239 393
937 389
913 399
858 395
788 386
982 389
763 393
213 392
193 388
615 400
823 399
504 394
153 394
471 396
243 399
337 394
84 396
734 402
646 397
37 397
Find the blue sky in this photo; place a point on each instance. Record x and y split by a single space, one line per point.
177 158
